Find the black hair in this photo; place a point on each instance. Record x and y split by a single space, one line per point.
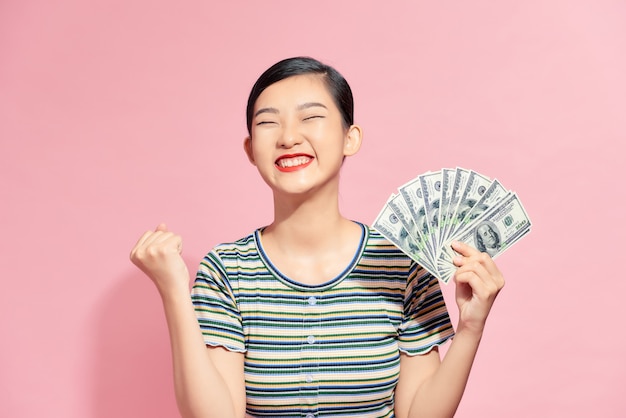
337 85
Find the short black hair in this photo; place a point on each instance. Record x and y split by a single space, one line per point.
337 85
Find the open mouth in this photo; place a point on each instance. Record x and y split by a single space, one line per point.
293 162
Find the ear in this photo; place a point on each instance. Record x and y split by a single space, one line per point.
352 142
247 146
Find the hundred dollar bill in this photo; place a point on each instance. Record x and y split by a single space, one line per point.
446 272
447 184
438 207
446 269
475 186
399 206
458 185
412 194
390 226
494 193
494 231
431 193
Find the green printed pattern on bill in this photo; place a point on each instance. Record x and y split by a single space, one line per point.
436 208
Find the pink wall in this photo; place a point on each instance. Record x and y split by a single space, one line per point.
115 115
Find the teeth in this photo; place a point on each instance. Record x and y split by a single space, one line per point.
292 162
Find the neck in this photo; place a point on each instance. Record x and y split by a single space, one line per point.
307 222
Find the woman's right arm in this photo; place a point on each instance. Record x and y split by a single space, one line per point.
209 381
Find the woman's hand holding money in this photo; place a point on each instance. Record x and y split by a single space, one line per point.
478 282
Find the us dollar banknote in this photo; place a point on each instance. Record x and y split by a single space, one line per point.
493 232
390 225
451 204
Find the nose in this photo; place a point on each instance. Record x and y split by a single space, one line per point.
289 137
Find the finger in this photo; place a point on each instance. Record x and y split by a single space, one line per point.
483 258
167 240
488 267
470 279
139 248
164 240
170 239
141 244
464 249
474 254
148 236
153 238
479 287
486 262
485 269
143 238
473 265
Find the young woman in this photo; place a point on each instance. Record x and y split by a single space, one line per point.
313 315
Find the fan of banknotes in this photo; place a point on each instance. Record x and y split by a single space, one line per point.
436 208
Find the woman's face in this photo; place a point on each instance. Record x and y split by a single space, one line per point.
297 138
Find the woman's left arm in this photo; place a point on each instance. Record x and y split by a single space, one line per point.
429 387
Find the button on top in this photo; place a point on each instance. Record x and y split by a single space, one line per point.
309 415
312 300
309 378
310 339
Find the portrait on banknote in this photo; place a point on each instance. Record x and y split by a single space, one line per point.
487 238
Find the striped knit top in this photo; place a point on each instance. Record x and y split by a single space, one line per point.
330 350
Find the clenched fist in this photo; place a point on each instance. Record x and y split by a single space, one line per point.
158 255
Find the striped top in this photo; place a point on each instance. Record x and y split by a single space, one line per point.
330 350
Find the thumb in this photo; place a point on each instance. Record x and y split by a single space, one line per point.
161 227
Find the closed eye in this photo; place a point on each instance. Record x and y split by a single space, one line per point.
314 117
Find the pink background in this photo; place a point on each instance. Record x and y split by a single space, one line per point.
116 115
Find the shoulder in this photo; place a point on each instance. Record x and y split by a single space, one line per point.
226 261
229 252
382 253
242 244
380 249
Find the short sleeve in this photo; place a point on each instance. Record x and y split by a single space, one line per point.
216 306
425 322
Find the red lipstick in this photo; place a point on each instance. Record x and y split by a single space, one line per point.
293 162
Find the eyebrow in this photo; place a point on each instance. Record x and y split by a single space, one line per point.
303 106
311 104
266 110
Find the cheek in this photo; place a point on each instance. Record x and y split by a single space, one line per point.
331 140
261 149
